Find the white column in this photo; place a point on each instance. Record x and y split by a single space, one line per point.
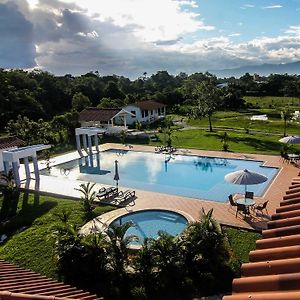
90 144
35 167
6 167
27 169
78 144
84 137
125 124
98 160
96 142
15 166
91 161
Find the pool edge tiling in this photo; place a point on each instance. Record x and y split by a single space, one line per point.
147 200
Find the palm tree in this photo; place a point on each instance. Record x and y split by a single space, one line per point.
118 246
88 196
170 266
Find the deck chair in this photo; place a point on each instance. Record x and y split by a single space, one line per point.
123 197
106 192
261 207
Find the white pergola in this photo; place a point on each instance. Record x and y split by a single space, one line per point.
86 134
11 160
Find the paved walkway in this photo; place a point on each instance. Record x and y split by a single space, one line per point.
188 206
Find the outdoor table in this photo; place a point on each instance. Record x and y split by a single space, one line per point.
247 202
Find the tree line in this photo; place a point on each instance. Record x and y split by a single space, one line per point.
40 95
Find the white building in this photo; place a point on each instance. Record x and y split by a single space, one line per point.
145 111
114 118
8 143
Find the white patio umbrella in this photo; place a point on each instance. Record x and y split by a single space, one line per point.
292 139
116 177
245 177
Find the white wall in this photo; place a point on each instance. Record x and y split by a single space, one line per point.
130 119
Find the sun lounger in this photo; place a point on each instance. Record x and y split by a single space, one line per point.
105 193
123 197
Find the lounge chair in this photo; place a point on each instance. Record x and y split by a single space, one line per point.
159 149
105 193
123 197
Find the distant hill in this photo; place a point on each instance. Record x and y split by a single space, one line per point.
264 69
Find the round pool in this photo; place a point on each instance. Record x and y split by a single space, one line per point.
147 223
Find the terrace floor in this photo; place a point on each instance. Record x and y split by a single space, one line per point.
190 207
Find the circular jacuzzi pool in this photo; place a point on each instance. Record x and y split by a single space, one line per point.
147 223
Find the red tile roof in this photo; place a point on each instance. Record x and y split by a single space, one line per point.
273 272
148 105
10 142
18 283
98 114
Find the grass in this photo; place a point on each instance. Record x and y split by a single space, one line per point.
33 246
274 102
242 242
241 121
238 142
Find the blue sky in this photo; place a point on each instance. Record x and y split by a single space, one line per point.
130 37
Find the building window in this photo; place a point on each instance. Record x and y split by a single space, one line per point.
151 112
134 113
146 113
158 111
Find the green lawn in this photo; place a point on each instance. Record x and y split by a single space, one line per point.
274 102
242 242
238 142
34 246
241 120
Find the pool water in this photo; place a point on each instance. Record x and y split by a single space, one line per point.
184 175
147 223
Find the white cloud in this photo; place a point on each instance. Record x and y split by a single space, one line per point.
293 30
129 37
272 6
150 19
245 6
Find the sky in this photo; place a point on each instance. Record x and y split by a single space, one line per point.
130 37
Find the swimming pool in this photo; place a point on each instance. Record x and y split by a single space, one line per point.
147 223
184 175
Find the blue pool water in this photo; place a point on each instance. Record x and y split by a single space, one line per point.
148 223
183 175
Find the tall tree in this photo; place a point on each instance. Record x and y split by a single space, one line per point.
208 100
80 102
285 116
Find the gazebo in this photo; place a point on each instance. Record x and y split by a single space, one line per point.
87 135
11 160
